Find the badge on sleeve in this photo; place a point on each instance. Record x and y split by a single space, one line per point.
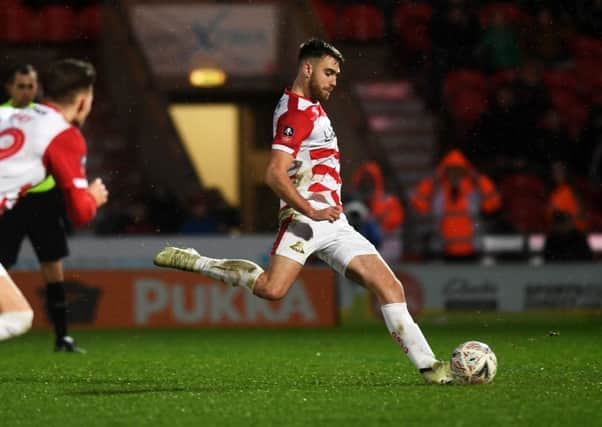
288 131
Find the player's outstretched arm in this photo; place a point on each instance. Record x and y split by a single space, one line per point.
276 177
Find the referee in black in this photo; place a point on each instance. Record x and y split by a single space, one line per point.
40 216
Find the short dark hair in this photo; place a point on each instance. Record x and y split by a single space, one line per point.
63 79
20 69
316 48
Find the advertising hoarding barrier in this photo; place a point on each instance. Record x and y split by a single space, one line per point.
165 300
160 298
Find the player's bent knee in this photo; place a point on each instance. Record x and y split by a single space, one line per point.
14 323
272 293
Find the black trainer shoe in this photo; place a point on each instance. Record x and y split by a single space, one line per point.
67 344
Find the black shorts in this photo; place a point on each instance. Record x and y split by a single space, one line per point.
41 218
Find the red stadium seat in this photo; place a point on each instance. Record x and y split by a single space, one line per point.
465 92
584 47
58 23
501 77
591 197
562 98
459 80
327 13
468 105
411 23
363 22
513 14
524 201
18 25
89 22
589 76
561 79
573 112
575 118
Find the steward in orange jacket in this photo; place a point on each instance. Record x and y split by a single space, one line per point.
386 208
565 199
455 196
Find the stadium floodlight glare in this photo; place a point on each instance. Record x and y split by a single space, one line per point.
207 77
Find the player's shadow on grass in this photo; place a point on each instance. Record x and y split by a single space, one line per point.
124 386
116 392
223 389
67 380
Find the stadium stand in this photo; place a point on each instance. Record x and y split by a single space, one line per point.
420 92
552 72
411 24
362 23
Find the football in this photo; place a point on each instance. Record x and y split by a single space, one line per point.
473 362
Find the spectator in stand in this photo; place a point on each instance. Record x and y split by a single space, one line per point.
227 215
456 196
589 158
530 92
565 198
564 242
524 195
553 143
360 218
199 219
114 219
138 218
589 18
546 39
369 184
502 135
165 211
499 48
454 32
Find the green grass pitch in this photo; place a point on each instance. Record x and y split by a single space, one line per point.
342 376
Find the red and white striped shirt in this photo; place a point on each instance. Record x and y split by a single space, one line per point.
302 129
34 142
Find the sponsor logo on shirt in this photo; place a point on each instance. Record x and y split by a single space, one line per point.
298 247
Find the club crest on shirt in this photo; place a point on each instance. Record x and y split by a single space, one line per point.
329 135
288 131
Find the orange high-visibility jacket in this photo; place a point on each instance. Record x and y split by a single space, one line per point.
458 220
386 208
563 199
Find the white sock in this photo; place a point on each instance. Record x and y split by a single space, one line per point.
13 323
408 335
234 272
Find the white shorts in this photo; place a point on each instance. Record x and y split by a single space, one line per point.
335 243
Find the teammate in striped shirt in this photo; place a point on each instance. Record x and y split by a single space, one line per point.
303 171
39 218
35 142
